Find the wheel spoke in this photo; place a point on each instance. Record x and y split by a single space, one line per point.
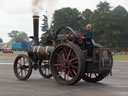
90 75
61 73
73 59
95 74
24 61
63 55
70 72
18 67
19 72
69 54
56 65
48 71
69 35
68 75
87 74
75 67
65 73
75 62
60 68
60 56
65 51
63 34
73 71
58 60
25 72
22 73
45 71
19 63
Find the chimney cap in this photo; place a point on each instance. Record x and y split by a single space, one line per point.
35 17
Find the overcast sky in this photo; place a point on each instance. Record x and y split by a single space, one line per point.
16 14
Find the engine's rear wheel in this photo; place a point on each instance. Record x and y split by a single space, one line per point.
95 77
22 67
67 64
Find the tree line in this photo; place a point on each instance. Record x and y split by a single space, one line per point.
109 25
17 37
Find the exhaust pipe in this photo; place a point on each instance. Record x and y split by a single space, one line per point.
36 29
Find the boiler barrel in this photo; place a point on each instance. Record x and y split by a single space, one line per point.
40 52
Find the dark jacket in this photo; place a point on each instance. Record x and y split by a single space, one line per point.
88 36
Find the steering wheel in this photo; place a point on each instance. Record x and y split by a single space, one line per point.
65 33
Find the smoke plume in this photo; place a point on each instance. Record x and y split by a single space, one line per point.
37 6
44 5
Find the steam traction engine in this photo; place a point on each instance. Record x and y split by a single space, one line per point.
64 55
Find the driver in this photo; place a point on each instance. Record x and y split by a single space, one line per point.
88 39
88 36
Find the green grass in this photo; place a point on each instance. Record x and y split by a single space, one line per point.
120 57
115 57
10 55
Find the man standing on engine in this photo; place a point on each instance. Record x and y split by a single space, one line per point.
89 34
88 39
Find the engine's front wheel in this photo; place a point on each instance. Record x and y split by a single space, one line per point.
22 67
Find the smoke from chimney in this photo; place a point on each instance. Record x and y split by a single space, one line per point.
37 6
44 5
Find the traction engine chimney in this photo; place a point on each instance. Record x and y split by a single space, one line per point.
36 29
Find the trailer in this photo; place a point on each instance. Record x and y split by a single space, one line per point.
21 46
16 46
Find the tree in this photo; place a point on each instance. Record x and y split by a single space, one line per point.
109 25
101 21
18 36
87 18
67 17
45 23
120 23
1 41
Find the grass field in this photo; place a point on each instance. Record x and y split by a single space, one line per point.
120 57
115 57
9 55
16 53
